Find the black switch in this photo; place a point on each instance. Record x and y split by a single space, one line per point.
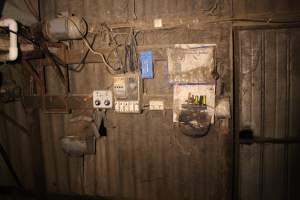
106 102
97 102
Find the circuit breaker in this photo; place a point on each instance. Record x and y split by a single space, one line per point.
102 99
127 91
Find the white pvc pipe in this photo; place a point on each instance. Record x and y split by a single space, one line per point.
13 27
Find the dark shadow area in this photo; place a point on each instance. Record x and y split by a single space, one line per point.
1 79
102 129
246 134
8 163
2 2
13 193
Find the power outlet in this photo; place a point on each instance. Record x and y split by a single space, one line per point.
102 99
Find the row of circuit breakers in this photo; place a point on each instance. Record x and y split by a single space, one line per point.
125 97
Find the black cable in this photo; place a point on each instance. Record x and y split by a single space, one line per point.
10 166
53 57
131 58
189 130
127 61
8 30
109 68
78 68
20 34
112 38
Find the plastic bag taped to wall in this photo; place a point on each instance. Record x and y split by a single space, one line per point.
191 63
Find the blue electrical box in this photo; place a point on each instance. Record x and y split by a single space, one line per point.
147 64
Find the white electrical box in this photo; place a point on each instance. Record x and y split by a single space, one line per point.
127 91
102 99
156 105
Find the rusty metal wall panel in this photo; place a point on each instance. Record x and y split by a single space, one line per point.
143 156
124 10
15 140
268 81
242 8
17 145
139 160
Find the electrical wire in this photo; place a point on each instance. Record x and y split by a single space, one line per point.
81 65
109 68
188 130
20 34
9 165
211 10
100 54
53 57
131 61
206 22
134 10
131 57
112 38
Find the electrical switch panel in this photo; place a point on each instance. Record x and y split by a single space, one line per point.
102 99
127 90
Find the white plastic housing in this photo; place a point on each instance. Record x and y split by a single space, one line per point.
156 105
102 99
65 28
13 41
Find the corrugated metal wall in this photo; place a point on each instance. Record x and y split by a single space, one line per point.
123 10
143 156
269 105
15 142
17 145
272 8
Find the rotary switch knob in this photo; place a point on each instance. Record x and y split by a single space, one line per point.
107 102
97 102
